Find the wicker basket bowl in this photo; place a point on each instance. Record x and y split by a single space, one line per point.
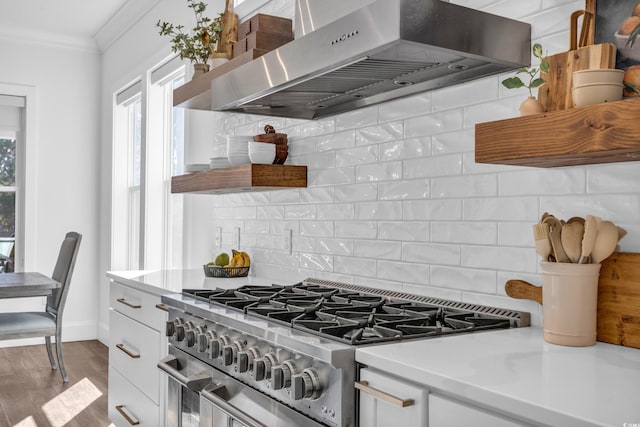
224 272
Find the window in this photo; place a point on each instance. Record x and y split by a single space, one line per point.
148 151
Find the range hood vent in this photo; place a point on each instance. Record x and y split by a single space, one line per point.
383 51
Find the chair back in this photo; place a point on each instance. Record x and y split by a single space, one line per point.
63 271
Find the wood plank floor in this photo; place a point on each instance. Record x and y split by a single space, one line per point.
31 394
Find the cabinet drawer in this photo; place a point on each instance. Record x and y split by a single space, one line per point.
133 403
134 351
138 305
444 412
381 404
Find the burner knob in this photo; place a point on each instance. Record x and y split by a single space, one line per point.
306 385
230 352
204 339
281 375
216 345
262 366
170 329
179 332
191 338
246 358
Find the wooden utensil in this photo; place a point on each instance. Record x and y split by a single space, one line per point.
618 299
555 231
589 237
606 241
556 93
541 238
571 238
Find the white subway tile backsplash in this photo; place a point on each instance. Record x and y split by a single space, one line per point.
405 149
302 243
402 108
270 212
500 258
379 172
379 210
453 142
323 160
504 108
516 233
433 124
317 195
285 196
336 211
466 279
316 228
431 253
613 178
464 186
481 90
542 181
300 212
403 272
428 167
404 230
432 210
356 229
354 266
484 233
336 141
381 133
356 192
331 246
357 118
256 227
248 212
316 262
616 207
378 249
379 284
356 156
501 209
334 176
404 190
279 227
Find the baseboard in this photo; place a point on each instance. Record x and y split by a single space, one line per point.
103 333
80 331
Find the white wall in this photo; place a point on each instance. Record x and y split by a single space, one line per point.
62 189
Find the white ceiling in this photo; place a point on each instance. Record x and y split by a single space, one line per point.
70 22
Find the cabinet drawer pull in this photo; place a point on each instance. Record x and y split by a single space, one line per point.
130 418
364 386
128 304
162 307
127 352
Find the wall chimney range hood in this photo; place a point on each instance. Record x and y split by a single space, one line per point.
383 51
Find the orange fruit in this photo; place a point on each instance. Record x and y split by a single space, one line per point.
636 10
631 81
629 24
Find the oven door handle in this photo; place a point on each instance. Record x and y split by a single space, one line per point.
212 393
195 382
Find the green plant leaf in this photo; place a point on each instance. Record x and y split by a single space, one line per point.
633 35
544 66
512 83
632 88
537 50
537 83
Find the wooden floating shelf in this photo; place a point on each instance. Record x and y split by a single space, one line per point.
242 178
602 133
196 94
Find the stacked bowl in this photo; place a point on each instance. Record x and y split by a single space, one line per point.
262 152
238 149
596 86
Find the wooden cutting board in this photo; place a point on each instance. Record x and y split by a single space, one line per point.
618 299
556 93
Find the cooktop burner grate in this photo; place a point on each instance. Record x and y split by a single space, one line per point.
358 315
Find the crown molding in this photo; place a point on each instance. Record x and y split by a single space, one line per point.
121 21
42 38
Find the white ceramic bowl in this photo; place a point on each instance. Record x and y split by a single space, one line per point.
585 77
596 94
218 162
262 157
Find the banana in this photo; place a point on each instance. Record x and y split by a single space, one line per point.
246 259
239 259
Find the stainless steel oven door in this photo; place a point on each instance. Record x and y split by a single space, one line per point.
186 378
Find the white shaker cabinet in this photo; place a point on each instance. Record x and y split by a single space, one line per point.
386 400
137 392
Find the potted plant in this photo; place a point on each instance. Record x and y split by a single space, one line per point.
531 105
198 45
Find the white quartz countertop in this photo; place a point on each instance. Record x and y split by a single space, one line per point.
515 370
159 282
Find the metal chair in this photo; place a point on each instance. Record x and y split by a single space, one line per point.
49 322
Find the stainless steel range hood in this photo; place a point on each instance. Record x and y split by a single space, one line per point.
386 50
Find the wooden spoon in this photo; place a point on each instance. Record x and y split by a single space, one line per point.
606 241
555 230
571 238
590 230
